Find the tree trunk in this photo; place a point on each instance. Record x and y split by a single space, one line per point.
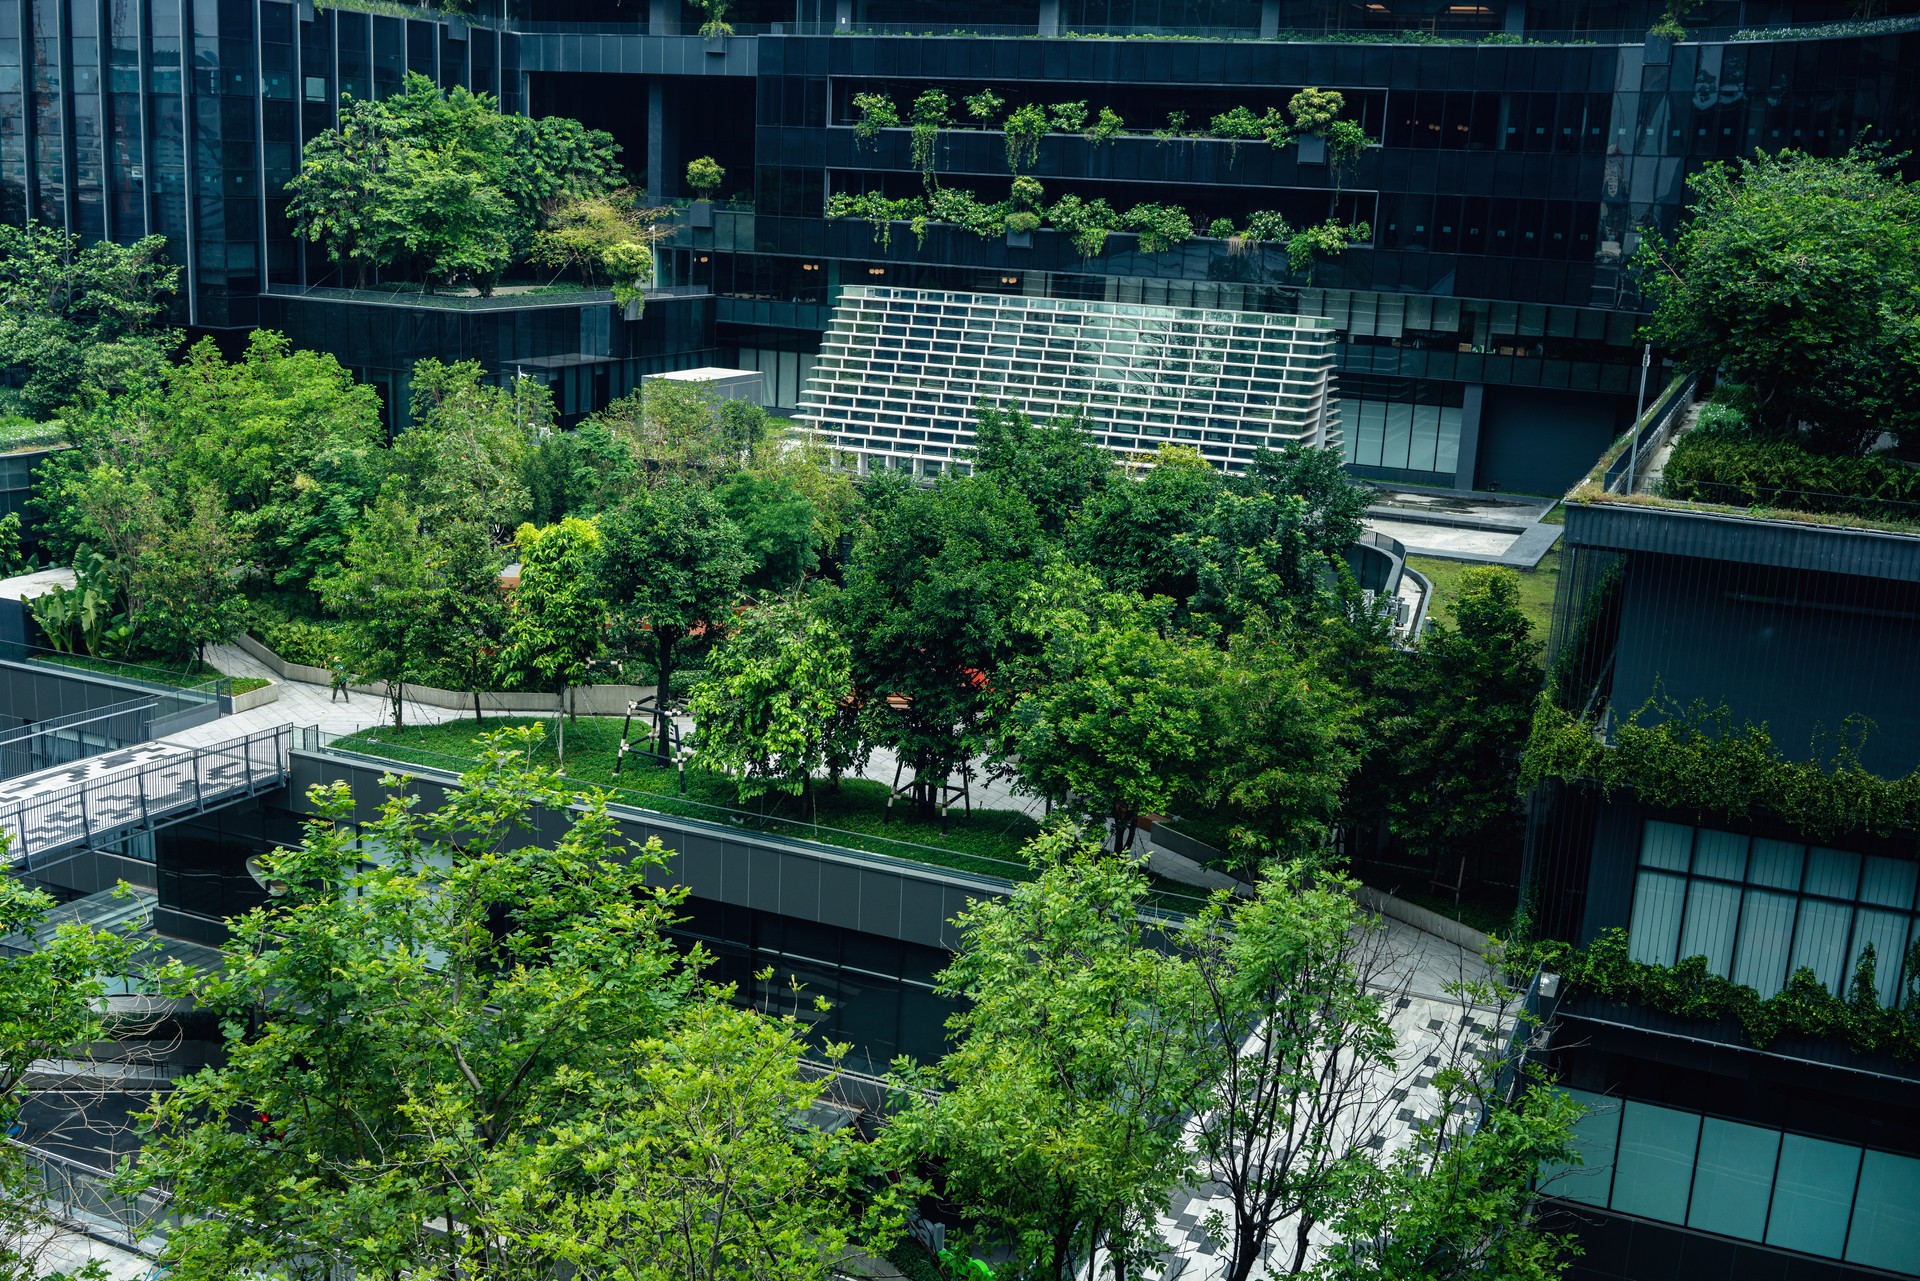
477 718
397 691
663 722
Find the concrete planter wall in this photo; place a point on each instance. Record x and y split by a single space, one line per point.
254 698
587 700
1421 919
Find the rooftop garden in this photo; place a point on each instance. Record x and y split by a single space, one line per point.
1797 279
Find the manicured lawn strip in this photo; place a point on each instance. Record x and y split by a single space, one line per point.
989 843
151 673
1537 587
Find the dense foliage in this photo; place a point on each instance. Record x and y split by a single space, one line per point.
1799 276
1722 459
442 184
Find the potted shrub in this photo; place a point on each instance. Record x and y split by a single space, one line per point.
1020 228
704 176
716 28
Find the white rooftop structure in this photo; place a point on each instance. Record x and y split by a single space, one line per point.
901 372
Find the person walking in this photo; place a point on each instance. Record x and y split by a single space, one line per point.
339 670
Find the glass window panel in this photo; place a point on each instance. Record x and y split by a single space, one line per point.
1766 941
1653 935
1426 437
1776 863
1595 1137
1732 1179
1371 432
1887 932
1655 1162
1811 1196
1393 452
1835 873
1820 940
1889 882
1721 854
1665 845
1886 1214
1447 456
1712 911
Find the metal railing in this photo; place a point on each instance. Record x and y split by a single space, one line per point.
63 739
412 297
1649 434
73 808
84 1197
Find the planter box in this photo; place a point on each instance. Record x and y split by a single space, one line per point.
1019 239
700 215
255 698
1313 149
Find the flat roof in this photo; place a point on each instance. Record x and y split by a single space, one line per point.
34 585
706 374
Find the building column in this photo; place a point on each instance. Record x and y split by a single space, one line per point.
663 153
663 18
1468 455
1049 17
1269 19
843 14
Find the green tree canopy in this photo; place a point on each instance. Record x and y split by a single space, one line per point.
389 592
556 616
1058 466
1466 708
1058 1120
1136 535
672 561
78 316
1799 275
778 527
771 699
466 455
929 609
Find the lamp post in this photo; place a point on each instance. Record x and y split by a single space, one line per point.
1633 454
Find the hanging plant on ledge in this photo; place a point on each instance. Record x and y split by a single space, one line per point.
929 117
716 12
872 112
1025 127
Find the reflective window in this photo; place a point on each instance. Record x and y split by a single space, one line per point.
1758 910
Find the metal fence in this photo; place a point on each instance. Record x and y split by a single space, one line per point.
62 739
1652 431
84 1198
97 802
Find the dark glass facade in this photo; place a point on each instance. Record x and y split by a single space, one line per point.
1518 153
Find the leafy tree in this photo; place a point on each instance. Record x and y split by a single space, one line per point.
465 457
1462 1207
424 1004
389 592
289 438
1294 1053
53 1004
601 234
456 222
464 631
928 608
697 1170
1058 466
705 175
188 582
1132 533
777 526
1057 1122
577 473
1467 709
1286 742
80 316
672 561
771 698
341 196
1111 717
556 616
680 429
1799 276
1336 506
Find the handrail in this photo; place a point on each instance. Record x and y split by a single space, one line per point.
167 783
142 674
1649 432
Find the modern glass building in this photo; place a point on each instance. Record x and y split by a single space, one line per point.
901 372
1516 154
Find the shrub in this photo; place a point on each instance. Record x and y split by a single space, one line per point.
1161 227
1220 228
705 175
1027 192
1086 222
1068 117
1722 461
985 105
298 641
1024 220
872 112
1106 127
1024 129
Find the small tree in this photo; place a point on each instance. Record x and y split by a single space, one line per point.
1057 1122
389 593
1798 276
189 582
697 1170
770 697
464 634
556 616
465 456
705 175
671 562
1468 706
1295 1055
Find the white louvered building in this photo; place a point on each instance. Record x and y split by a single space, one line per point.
901 371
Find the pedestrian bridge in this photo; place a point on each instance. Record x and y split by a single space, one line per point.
96 802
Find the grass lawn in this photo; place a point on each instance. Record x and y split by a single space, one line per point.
988 842
174 674
1537 587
